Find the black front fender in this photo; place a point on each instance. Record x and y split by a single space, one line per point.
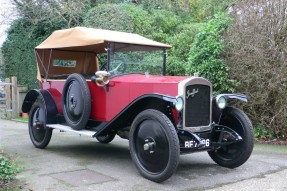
216 112
159 102
239 97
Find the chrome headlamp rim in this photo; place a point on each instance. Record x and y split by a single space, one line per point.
221 102
179 103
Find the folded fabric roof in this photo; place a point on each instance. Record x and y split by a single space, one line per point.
90 39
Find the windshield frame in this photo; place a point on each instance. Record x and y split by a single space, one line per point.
164 54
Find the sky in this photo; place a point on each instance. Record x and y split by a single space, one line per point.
6 12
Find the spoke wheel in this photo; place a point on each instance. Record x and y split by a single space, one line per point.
76 101
236 154
154 145
40 135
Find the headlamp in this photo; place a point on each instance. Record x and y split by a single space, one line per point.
179 103
221 102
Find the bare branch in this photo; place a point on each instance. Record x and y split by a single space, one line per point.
256 53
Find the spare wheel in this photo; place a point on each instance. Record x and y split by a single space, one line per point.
76 101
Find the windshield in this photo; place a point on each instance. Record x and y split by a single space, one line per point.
140 60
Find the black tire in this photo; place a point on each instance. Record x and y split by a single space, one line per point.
235 155
40 134
106 138
76 101
159 161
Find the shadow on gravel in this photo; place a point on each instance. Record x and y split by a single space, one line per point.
115 153
92 151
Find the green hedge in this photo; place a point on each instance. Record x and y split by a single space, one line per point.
19 59
18 50
205 55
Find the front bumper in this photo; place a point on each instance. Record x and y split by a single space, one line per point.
218 137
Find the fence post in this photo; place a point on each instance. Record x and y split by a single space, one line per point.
15 110
8 98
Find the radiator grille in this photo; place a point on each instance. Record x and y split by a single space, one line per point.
197 108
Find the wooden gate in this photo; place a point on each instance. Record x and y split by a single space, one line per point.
10 98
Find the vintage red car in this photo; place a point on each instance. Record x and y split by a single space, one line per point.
103 83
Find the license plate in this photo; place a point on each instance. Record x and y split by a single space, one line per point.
192 144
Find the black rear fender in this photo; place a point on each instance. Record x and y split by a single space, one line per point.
45 97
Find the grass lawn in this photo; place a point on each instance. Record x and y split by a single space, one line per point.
20 119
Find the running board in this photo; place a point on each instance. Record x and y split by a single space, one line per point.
69 129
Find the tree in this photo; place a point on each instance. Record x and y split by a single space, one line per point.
37 19
161 20
66 11
7 15
1 65
203 10
18 49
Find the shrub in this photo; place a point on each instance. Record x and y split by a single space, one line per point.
164 24
140 18
98 2
256 54
151 5
109 16
206 56
181 41
203 10
262 133
8 170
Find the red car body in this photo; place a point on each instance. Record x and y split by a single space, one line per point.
122 91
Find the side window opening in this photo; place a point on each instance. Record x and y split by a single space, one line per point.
65 63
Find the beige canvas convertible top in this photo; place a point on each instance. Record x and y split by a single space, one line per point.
85 37
81 44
